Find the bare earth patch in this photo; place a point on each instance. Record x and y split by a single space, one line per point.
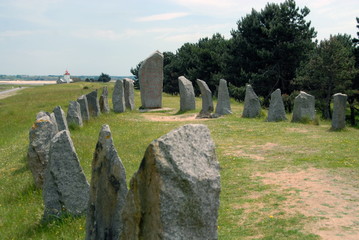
331 199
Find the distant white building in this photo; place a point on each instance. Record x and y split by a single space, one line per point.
65 79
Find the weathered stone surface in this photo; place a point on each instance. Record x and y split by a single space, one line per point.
252 105
129 93
53 120
276 111
104 107
187 97
66 189
339 108
175 192
74 114
93 104
107 192
207 102
151 81
118 97
40 135
304 107
85 115
60 119
50 115
223 106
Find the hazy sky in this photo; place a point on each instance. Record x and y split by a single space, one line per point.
87 37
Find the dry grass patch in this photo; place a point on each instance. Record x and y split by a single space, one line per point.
329 198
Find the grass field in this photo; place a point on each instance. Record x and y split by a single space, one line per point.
248 150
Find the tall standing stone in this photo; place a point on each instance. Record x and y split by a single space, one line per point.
118 97
74 114
103 101
66 189
50 115
304 107
107 192
93 104
252 105
207 102
84 108
151 81
60 119
187 97
223 106
175 192
40 135
339 108
129 93
276 111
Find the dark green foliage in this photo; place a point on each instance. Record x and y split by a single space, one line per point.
104 78
237 93
329 70
267 47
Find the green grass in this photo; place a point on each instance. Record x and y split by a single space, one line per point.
244 147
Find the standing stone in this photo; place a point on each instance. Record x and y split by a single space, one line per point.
129 93
304 107
207 103
118 97
84 108
276 111
107 192
74 114
60 119
223 103
66 189
175 192
252 105
339 108
50 115
53 120
151 81
93 104
187 97
104 107
40 135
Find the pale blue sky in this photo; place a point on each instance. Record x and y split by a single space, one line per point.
41 37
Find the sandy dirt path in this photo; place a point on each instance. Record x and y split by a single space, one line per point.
10 92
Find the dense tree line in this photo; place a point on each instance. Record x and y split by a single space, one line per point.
272 48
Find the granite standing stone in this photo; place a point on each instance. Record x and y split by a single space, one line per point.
151 81
129 93
187 97
53 120
93 104
66 189
74 114
50 115
60 119
175 192
40 135
339 108
207 102
252 105
223 103
107 192
104 107
276 111
304 107
118 97
84 108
